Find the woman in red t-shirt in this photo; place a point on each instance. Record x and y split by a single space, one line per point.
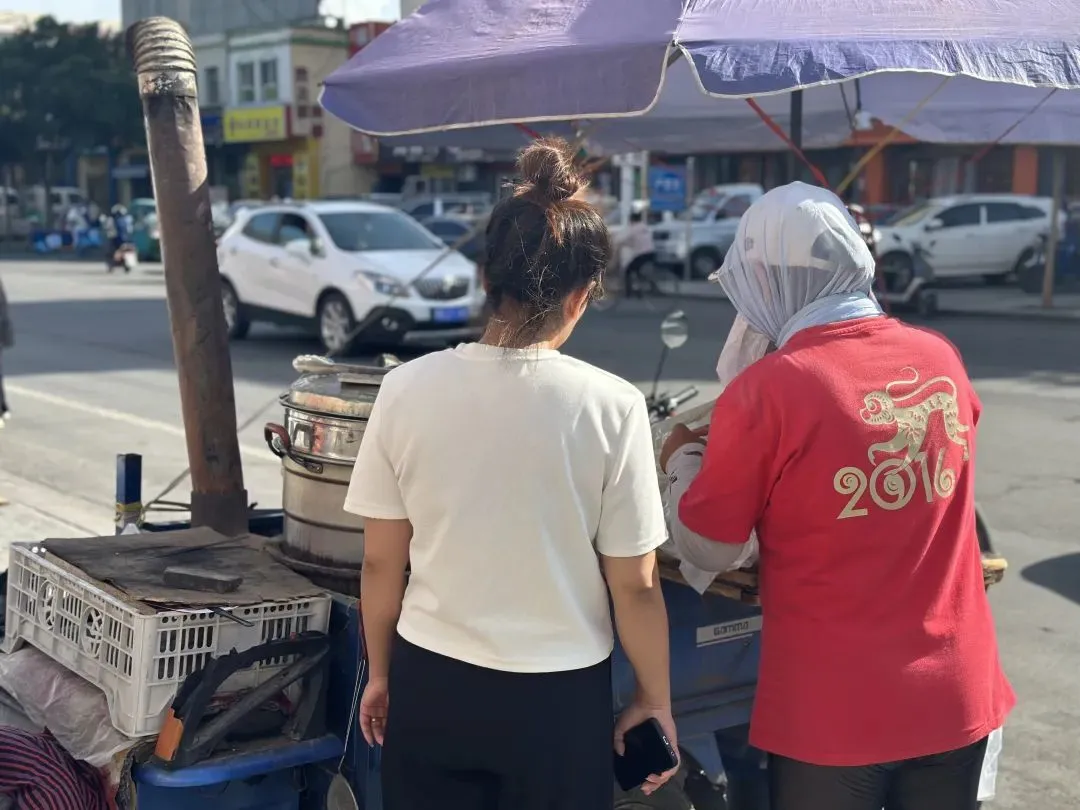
850 452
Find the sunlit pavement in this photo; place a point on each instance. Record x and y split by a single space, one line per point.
92 375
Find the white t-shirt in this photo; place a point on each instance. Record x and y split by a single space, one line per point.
515 467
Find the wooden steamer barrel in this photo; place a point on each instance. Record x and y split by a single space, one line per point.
326 412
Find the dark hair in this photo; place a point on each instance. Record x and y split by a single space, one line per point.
636 216
543 243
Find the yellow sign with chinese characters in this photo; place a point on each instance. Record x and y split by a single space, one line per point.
256 125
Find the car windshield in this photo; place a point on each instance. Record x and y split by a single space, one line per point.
701 211
357 231
911 215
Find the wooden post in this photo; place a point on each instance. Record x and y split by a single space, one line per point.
165 64
1050 269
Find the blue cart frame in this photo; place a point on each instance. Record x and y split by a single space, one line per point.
715 650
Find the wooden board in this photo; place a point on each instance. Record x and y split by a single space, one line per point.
742 584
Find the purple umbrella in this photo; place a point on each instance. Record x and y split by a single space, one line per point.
475 63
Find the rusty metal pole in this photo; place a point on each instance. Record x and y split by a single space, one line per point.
165 64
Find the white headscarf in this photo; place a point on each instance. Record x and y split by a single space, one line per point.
798 260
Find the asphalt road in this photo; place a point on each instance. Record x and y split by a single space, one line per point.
92 375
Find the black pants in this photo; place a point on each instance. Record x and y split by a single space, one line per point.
947 781
461 737
3 398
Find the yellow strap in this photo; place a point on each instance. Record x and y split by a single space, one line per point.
889 138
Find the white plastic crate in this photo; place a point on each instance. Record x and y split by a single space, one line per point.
136 655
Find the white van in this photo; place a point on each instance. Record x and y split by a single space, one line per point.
13 224
714 218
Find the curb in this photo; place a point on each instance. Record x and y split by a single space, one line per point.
50 257
1053 316
1068 315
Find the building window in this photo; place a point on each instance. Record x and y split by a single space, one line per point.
301 75
245 84
302 96
268 82
212 80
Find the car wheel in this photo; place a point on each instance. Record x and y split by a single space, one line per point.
1030 278
236 320
337 324
704 262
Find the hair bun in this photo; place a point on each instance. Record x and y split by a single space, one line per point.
548 171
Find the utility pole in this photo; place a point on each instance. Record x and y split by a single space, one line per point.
1050 269
165 63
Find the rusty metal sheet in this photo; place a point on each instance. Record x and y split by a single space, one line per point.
134 565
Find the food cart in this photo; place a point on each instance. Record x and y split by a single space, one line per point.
715 638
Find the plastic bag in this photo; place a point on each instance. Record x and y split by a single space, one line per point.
743 347
988 777
75 711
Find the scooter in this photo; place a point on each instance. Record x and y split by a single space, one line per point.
1066 268
125 257
909 286
674 332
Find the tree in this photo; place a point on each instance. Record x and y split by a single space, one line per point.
65 88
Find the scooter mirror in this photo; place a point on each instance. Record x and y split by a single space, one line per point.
675 329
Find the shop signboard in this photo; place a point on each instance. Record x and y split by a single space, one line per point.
667 188
256 124
365 149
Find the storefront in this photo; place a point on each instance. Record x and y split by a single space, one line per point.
224 161
276 163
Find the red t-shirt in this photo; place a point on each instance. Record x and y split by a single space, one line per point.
851 450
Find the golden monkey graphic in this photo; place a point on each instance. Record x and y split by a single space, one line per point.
911 412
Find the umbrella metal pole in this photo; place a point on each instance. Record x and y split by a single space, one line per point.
1050 269
794 169
165 64
688 235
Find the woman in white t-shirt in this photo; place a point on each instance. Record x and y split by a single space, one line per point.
518 486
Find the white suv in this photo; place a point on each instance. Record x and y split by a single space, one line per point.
355 270
974 235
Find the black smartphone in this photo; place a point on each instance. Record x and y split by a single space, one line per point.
648 751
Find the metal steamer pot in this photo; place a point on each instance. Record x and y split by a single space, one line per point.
326 411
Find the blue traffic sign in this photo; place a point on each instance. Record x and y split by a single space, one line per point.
667 188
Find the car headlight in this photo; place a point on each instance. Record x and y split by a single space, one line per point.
382 284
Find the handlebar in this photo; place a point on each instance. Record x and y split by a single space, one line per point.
685 395
661 406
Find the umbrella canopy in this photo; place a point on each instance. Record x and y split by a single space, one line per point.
479 63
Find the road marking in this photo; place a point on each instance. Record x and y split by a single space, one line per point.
255 453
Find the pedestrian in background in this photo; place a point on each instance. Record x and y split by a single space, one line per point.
7 340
